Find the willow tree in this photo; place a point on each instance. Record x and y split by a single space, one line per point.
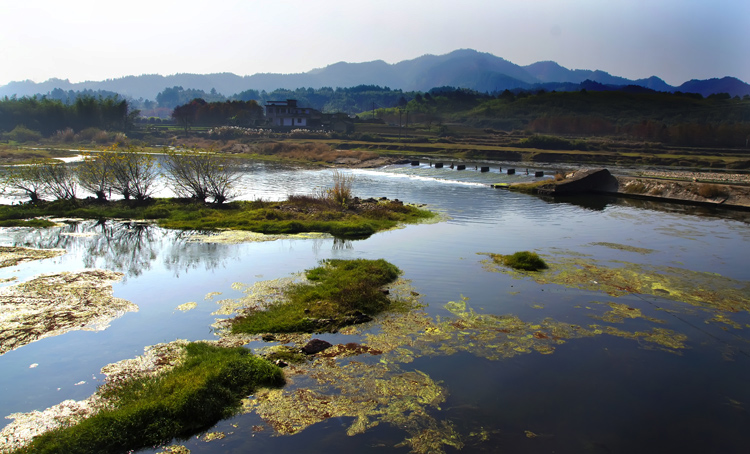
95 173
28 178
201 174
60 180
134 173
42 178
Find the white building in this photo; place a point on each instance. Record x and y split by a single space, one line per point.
288 114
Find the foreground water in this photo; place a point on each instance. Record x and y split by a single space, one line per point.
659 370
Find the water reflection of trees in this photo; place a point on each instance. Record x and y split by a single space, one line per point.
184 255
132 247
338 244
128 247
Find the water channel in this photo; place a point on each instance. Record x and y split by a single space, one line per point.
635 341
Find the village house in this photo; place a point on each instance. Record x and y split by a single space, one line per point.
288 114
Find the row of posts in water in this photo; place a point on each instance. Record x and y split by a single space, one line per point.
439 165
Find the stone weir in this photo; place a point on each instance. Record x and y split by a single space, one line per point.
601 181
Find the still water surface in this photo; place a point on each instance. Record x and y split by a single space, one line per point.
598 394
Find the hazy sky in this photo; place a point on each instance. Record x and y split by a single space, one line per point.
79 40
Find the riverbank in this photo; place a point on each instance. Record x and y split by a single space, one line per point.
722 190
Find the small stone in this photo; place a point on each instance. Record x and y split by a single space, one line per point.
315 346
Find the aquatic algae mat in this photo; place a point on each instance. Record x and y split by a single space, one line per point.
25 426
371 394
618 278
12 255
50 305
246 236
372 384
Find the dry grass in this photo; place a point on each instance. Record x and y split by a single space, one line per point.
315 152
636 187
710 191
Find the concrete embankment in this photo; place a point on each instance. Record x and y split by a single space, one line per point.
601 181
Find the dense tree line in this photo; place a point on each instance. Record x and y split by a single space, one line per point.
198 112
350 100
177 96
47 115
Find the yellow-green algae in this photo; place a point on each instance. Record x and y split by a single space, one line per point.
664 339
489 336
257 296
187 306
246 236
13 255
50 305
624 247
174 449
213 436
700 289
369 393
383 392
619 312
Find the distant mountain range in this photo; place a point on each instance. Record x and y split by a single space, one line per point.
465 68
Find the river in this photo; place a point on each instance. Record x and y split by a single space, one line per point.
636 340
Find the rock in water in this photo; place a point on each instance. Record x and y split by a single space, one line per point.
315 346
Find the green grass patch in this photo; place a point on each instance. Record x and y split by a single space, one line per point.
522 260
287 354
38 223
335 293
289 217
188 399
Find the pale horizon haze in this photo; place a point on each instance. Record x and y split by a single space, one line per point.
80 40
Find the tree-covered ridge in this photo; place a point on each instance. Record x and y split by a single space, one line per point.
672 118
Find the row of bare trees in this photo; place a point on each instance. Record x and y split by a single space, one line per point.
130 174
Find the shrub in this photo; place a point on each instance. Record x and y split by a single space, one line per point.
101 137
546 143
23 134
88 134
120 137
709 191
64 136
341 191
523 260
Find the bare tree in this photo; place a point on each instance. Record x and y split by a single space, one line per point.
201 174
60 180
28 178
134 174
95 173
41 178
